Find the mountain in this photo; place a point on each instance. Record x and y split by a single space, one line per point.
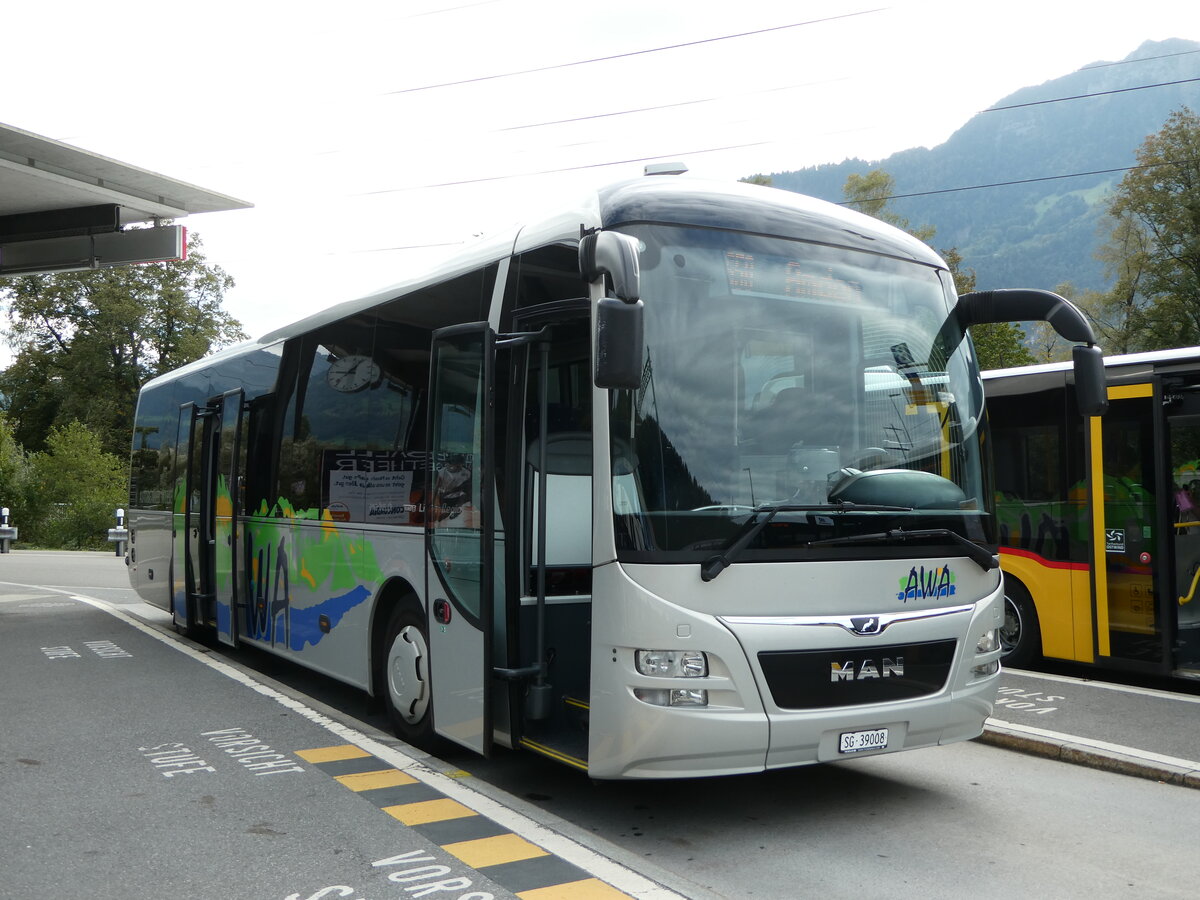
1034 229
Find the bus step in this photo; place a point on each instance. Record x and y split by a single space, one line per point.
569 749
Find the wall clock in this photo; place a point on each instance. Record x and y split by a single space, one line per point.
352 373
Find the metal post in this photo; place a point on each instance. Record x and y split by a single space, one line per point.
8 532
119 535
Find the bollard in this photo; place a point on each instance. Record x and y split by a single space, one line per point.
8 531
119 535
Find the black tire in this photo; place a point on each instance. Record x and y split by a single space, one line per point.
1020 635
405 687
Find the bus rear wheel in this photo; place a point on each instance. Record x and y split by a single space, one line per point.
1020 635
406 678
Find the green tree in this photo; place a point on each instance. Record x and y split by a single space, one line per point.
13 470
85 342
1153 250
764 180
872 193
74 487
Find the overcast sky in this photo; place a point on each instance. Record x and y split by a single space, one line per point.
364 131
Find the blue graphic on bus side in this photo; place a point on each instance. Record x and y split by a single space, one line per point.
305 624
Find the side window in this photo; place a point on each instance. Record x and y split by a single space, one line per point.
327 427
352 443
152 476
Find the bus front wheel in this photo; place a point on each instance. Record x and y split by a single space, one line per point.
1020 636
406 674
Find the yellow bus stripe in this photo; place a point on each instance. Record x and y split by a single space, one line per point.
1127 391
426 811
493 851
369 781
332 754
1099 562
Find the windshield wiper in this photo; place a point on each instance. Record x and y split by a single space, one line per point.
983 558
715 565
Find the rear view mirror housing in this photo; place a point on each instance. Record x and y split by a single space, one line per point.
1091 393
620 342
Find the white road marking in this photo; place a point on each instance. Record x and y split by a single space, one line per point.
620 877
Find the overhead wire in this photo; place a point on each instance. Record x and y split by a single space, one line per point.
578 168
682 103
632 53
1140 87
978 187
697 101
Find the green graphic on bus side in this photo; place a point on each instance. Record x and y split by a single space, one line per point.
285 563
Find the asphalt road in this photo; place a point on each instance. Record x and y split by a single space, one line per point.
89 807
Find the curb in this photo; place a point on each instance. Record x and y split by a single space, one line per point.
1078 751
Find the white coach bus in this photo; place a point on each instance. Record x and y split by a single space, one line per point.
687 479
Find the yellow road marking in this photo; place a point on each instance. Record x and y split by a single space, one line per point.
369 781
492 851
588 889
427 811
332 754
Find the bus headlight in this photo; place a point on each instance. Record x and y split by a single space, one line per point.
672 663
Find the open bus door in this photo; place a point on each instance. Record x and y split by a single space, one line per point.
205 530
460 568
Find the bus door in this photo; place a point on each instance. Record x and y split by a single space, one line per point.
460 569
1129 561
230 464
1182 407
205 540
550 616
185 526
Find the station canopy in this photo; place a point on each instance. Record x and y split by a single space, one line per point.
63 209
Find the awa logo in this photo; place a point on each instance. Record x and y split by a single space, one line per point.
922 585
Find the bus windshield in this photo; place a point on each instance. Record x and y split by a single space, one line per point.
830 387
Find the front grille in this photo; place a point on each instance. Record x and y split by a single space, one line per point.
815 679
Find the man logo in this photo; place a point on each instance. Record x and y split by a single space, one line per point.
866 625
847 671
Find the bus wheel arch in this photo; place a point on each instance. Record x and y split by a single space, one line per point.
401 665
1021 634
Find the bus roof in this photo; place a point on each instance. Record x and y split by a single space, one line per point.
661 199
1148 361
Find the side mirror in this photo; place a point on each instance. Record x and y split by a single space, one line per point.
1090 388
620 343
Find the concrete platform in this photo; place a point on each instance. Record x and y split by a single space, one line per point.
1133 730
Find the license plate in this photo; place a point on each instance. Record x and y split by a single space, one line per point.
855 741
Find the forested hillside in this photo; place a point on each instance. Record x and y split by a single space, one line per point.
1052 165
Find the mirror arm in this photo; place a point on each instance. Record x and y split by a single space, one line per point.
1026 305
